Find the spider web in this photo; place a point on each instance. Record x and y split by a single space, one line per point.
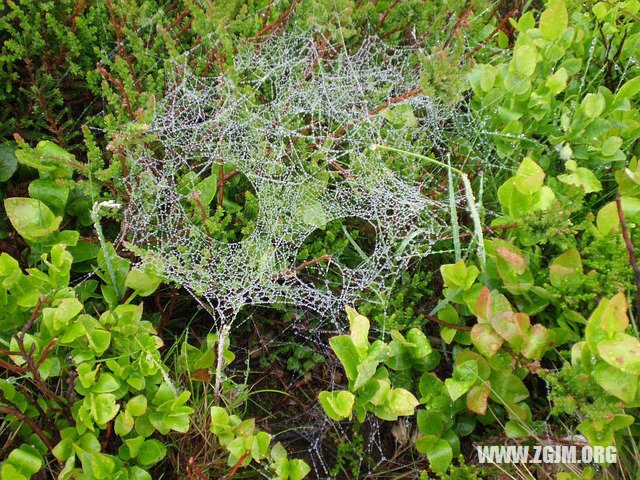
296 121
297 118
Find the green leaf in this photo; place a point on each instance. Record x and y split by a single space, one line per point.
529 177
24 460
65 312
629 90
430 422
63 450
207 188
314 214
608 219
508 256
616 382
151 452
565 270
512 326
488 77
581 177
429 387
366 370
99 340
338 405
219 420
346 352
554 20
260 445
525 59
486 340
104 407
48 158
507 388
438 451
610 146
134 444
420 344
401 402
8 162
359 330
557 82
463 378
31 218
536 342
142 282
53 194
593 105
515 429
123 424
622 351
137 406
458 275
298 469
614 317
105 384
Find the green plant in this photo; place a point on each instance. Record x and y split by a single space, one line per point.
82 382
245 444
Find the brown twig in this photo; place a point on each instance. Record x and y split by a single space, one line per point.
532 367
237 465
384 17
118 27
116 81
446 324
221 182
342 130
632 253
296 270
500 27
30 422
277 22
191 469
12 409
32 366
203 212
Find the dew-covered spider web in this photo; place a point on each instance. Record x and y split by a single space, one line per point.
298 119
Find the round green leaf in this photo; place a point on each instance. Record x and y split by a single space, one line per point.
151 452
31 218
525 60
554 20
593 105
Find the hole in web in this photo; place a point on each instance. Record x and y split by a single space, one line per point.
231 211
350 241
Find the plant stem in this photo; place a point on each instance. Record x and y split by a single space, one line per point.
95 216
454 214
224 333
473 210
632 253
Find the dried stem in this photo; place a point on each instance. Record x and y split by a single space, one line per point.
277 22
462 328
237 465
296 270
384 17
632 254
